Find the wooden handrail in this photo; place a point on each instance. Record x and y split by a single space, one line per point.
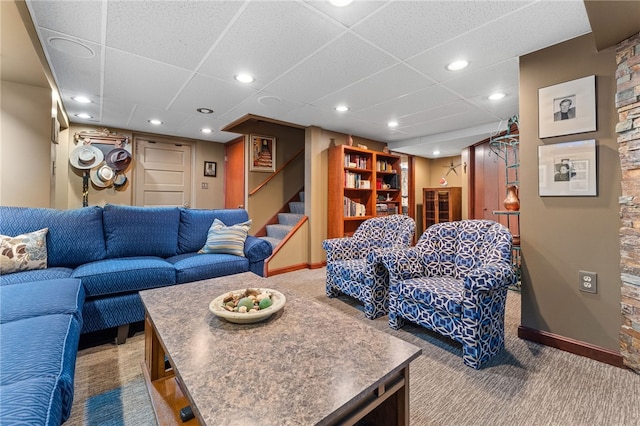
266 181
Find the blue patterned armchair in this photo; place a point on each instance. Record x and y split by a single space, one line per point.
454 281
353 264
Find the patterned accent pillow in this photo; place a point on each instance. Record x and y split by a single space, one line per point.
23 252
226 239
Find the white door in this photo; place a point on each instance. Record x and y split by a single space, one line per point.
163 174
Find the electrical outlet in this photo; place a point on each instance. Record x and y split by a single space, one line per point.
588 281
204 185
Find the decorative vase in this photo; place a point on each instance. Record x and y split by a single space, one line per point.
349 140
512 203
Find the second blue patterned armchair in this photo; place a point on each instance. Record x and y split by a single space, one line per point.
454 281
354 264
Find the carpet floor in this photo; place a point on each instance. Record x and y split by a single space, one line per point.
527 384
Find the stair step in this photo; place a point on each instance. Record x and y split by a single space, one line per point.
278 231
296 207
273 241
290 219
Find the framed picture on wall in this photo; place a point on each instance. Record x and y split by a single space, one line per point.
263 154
568 169
567 108
210 168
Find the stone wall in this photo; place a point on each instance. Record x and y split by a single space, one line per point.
628 129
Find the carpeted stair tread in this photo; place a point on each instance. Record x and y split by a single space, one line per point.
278 231
290 219
296 207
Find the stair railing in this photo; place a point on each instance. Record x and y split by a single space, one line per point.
271 176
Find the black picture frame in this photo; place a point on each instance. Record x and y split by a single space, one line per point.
210 168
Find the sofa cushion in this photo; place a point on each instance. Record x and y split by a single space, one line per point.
194 267
75 236
124 275
195 224
32 299
24 252
40 347
141 231
35 275
36 401
222 239
441 293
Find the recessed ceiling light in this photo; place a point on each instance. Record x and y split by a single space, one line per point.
392 124
155 122
457 65
84 115
81 99
206 130
342 108
71 47
244 78
436 152
496 96
205 110
340 3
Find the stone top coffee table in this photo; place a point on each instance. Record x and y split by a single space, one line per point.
307 364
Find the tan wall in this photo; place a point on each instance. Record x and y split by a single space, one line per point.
69 180
562 235
25 148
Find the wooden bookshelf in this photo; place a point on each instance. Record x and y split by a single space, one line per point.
441 205
361 184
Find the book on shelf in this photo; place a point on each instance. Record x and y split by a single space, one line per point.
352 180
383 209
355 161
353 208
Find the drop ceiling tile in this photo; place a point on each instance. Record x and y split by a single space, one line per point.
343 62
263 104
399 80
350 15
55 16
140 80
422 100
268 39
171 120
406 28
178 33
208 92
486 81
73 73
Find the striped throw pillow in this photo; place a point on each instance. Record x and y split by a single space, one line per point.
226 239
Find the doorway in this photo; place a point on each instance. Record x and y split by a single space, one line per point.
163 175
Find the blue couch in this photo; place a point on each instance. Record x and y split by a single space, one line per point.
119 250
97 260
40 325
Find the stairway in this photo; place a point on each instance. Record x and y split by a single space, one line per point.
286 222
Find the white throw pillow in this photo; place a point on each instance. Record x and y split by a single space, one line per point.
23 252
226 239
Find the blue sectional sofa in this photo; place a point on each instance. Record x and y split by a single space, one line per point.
84 274
119 250
40 325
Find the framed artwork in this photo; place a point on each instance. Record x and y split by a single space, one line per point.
567 108
568 169
210 168
263 154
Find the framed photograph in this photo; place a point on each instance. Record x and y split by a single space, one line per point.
210 168
263 154
568 169
567 108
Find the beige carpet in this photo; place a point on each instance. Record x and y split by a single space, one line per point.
528 384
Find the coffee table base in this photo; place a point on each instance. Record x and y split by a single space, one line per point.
387 405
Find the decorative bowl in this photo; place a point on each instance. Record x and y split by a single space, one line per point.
217 307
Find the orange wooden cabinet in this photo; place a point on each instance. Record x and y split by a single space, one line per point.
361 184
441 205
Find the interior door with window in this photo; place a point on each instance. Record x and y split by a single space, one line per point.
163 174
